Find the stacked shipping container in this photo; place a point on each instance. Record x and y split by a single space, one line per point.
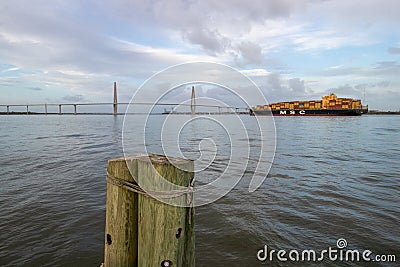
328 102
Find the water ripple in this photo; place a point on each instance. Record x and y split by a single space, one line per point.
332 178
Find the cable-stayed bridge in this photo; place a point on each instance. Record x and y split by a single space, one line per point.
7 109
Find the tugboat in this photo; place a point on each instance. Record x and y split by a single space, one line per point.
165 112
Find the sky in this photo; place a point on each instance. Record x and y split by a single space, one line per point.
70 51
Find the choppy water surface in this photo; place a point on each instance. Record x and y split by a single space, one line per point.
331 178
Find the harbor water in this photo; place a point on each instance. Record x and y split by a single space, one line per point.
332 178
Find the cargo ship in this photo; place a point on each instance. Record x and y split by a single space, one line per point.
330 105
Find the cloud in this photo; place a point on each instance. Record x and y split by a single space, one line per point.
366 15
278 87
346 90
80 47
74 98
381 69
339 71
386 68
10 69
50 41
10 81
44 38
326 40
394 50
386 64
360 89
210 40
255 72
217 28
249 53
387 100
297 85
370 94
381 84
36 88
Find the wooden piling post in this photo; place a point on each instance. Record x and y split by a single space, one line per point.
166 235
8 109
74 109
140 230
59 109
45 109
27 110
121 218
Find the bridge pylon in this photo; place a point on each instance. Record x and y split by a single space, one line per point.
115 104
193 102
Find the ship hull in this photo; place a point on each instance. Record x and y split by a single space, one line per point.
309 112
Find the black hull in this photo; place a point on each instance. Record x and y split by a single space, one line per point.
309 112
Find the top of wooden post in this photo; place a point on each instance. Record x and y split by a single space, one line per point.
153 158
130 163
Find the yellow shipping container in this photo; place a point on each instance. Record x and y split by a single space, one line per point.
355 105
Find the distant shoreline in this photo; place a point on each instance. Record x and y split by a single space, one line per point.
371 112
377 112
